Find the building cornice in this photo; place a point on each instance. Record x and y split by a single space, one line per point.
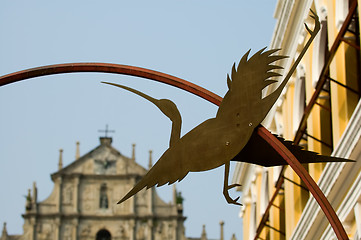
284 9
333 180
289 28
99 176
104 217
347 205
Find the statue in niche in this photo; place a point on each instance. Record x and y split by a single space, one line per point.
43 231
167 231
88 198
164 233
103 198
141 233
68 195
85 232
122 233
67 232
141 200
87 193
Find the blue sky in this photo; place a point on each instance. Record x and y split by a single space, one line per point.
195 40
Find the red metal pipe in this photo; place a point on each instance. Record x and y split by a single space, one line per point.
266 213
320 83
309 182
194 89
111 68
322 79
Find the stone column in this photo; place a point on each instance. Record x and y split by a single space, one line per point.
4 234
151 193
221 223
75 229
132 200
180 231
60 163
57 229
204 233
150 230
76 194
33 228
59 182
132 231
133 152
174 229
77 151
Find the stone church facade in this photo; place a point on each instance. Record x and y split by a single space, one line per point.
81 205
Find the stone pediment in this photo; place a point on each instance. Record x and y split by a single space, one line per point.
103 160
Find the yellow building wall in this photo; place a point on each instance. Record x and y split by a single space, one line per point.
343 102
246 224
314 119
321 125
295 197
277 212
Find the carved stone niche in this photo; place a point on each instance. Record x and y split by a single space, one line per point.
85 232
68 194
44 231
67 232
123 232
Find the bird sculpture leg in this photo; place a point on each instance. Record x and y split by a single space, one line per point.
272 98
226 187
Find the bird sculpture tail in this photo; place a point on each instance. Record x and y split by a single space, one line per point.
160 174
145 182
269 157
138 187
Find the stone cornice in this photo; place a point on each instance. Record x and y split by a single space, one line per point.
333 180
284 11
289 28
98 176
347 206
104 217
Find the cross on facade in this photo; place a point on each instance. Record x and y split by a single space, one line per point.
106 131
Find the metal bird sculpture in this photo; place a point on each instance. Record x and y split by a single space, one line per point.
230 135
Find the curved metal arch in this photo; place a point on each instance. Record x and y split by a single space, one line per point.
198 91
111 68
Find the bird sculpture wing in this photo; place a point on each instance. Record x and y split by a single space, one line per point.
244 98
